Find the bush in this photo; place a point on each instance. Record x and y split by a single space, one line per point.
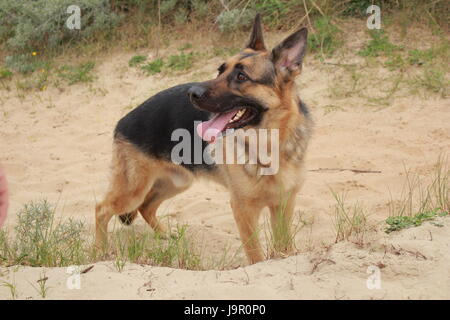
136 60
180 62
154 66
358 7
41 240
75 74
326 37
378 45
235 19
5 73
41 24
25 63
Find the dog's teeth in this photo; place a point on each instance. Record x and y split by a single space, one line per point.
241 113
237 116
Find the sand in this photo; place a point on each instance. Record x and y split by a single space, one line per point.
56 144
413 265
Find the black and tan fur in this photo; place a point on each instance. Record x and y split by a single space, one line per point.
143 175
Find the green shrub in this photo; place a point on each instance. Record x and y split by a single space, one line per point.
136 60
154 66
357 7
5 73
396 61
38 80
419 57
436 56
41 24
379 44
325 39
75 74
25 63
183 61
272 11
235 19
402 222
433 80
41 240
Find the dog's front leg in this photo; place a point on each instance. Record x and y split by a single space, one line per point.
246 214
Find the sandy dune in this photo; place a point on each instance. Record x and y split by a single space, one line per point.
413 264
56 144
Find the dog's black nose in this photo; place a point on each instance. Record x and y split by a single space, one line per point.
196 92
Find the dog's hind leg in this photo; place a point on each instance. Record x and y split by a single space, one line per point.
163 189
130 183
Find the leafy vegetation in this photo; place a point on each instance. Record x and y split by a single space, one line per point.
325 39
5 73
37 25
177 62
26 63
79 73
234 19
403 222
433 80
182 61
136 60
357 7
42 240
378 45
153 67
421 200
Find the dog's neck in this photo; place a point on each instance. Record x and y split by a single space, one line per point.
298 126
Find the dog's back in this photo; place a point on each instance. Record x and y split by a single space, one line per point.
150 126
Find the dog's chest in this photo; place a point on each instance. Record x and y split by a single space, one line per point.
248 180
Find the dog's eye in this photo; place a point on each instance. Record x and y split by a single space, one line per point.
241 76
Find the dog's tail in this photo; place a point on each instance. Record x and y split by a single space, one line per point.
128 218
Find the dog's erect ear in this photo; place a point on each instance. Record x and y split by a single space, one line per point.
256 41
288 55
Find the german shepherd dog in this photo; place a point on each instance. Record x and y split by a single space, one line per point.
253 89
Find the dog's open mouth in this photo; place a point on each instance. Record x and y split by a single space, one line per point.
235 119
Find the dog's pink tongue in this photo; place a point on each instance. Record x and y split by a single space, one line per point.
209 130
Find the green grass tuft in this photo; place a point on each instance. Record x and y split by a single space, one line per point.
5 73
326 38
180 62
137 60
433 80
378 45
12 288
25 63
350 222
76 74
420 57
153 67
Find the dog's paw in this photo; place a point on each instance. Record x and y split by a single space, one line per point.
166 233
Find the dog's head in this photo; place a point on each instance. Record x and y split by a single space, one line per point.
250 85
